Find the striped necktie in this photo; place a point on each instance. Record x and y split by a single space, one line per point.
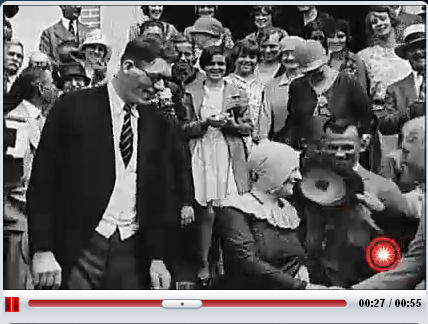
422 89
126 136
71 27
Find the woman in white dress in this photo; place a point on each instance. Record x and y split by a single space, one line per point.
217 119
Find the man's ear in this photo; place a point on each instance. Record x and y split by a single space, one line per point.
127 65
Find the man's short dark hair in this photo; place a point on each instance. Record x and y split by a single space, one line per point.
340 125
142 49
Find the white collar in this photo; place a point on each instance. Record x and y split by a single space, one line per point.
117 101
356 167
66 22
32 110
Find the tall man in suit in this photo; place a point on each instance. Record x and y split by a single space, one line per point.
105 180
68 28
410 272
405 98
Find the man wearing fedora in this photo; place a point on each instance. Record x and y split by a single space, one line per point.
104 185
68 28
405 99
72 77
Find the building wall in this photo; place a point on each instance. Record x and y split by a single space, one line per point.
91 16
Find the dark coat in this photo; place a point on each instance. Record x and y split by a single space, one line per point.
347 100
74 174
398 101
258 255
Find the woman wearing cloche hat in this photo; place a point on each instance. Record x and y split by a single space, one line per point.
322 92
95 53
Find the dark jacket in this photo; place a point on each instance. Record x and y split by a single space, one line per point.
398 102
74 174
347 99
257 254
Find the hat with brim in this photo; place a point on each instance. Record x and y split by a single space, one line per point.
412 35
207 25
289 43
72 70
96 38
310 55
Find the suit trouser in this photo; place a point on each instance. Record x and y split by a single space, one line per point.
16 256
107 264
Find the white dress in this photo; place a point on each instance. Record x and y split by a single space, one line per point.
211 163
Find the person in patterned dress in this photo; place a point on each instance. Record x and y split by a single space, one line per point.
244 57
384 67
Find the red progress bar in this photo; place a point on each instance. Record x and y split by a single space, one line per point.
205 303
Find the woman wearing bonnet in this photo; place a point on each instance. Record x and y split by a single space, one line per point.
258 229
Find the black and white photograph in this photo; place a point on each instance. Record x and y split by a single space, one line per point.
214 146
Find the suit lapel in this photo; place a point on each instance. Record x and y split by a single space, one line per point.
409 87
196 91
61 32
102 131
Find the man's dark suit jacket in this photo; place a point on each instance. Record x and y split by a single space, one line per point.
53 36
74 174
399 98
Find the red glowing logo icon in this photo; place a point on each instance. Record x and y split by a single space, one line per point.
383 254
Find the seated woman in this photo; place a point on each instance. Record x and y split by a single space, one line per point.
258 229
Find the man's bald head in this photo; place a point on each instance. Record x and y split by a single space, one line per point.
38 59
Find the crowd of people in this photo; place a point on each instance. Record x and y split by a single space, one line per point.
192 166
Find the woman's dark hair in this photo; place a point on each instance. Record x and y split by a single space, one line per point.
244 47
25 86
209 52
368 27
332 26
265 10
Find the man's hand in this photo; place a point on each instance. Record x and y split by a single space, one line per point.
371 202
46 271
159 275
187 215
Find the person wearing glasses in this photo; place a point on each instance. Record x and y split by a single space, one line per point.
104 183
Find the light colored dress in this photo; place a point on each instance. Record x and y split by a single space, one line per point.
266 73
384 68
211 163
254 89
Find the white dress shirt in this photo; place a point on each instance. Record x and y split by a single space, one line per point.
66 23
121 210
418 81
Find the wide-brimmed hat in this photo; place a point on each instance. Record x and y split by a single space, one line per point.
207 25
412 35
310 55
289 43
69 70
95 37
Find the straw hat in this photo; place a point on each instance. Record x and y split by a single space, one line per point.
96 38
413 34
310 55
